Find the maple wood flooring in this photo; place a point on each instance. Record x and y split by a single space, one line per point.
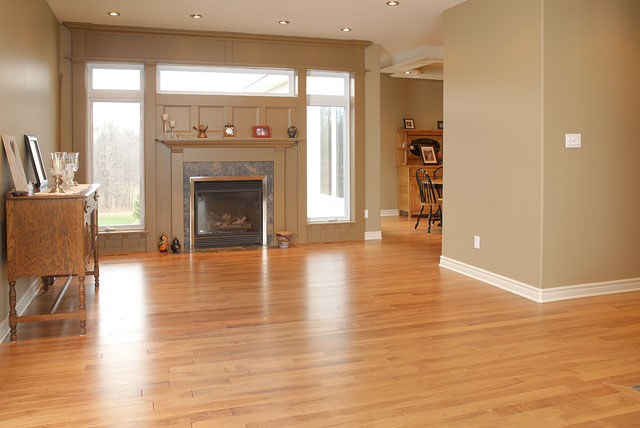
360 334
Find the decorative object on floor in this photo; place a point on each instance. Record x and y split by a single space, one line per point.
163 245
202 131
292 132
57 168
261 132
175 246
165 118
409 124
284 238
229 130
15 163
428 155
36 160
172 124
440 124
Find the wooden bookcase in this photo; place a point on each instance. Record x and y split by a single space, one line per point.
408 163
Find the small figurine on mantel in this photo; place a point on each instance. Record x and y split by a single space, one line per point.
163 245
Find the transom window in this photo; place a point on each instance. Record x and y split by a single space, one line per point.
182 79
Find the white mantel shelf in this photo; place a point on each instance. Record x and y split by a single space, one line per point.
228 142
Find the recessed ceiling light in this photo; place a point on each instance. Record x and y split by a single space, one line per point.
284 22
393 3
113 13
345 29
407 72
197 15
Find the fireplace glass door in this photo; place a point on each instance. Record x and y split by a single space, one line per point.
228 213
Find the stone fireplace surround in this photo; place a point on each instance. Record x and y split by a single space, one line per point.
277 159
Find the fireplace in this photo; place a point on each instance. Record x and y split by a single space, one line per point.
228 212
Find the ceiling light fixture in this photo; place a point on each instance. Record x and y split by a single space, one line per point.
113 13
407 72
393 3
284 22
345 29
197 15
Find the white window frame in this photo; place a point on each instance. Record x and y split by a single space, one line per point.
336 101
197 68
116 96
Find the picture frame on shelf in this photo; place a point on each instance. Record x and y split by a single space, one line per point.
261 132
36 160
440 124
409 123
428 155
15 163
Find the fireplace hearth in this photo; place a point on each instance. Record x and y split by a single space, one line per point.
228 212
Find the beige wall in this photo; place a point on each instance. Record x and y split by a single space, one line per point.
399 98
29 86
372 138
520 74
493 135
591 195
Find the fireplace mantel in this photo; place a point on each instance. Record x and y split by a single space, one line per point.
181 143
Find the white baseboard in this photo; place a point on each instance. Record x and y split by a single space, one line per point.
389 213
545 294
370 236
21 305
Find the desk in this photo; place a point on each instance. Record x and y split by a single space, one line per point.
52 235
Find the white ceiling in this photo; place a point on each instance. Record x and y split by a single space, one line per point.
398 29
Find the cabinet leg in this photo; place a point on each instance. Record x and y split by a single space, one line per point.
13 315
82 310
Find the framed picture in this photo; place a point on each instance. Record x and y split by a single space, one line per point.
36 160
261 132
428 155
408 124
440 124
15 163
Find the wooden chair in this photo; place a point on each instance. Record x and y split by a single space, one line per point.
427 197
438 174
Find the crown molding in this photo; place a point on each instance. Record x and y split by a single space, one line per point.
221 35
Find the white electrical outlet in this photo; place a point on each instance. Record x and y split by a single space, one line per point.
476 242
366 213
573 141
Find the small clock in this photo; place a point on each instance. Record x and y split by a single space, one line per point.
229 130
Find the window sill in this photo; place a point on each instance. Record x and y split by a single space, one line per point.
325 222
123 232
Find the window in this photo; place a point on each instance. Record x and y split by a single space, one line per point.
115 161
328 146
181 79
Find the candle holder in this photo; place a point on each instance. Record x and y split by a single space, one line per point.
165 118
172 124
73 160
57 168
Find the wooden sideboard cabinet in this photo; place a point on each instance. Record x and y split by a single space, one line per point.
52 235
407 164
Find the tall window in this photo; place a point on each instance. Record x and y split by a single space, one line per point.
116 99
327 146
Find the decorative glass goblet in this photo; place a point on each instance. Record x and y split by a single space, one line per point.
67 176
57 167
172 124
72 159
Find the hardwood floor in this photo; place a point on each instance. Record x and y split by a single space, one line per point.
367 334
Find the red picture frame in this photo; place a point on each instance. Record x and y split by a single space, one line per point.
261 132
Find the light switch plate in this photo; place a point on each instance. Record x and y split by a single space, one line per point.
573 141
476 242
